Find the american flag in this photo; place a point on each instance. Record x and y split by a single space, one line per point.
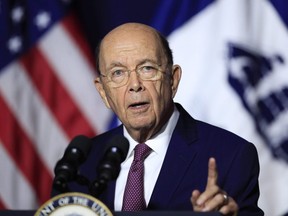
47 96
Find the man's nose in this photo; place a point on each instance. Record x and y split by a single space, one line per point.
135 82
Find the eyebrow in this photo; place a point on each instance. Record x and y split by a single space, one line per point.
119 64
115 64
147 61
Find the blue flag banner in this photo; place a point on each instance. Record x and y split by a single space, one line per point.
234 58
265 103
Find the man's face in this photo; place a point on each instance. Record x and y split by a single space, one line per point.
142 106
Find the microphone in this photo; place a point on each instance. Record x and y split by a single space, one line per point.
109 167
66 168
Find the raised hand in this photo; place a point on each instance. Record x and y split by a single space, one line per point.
213 198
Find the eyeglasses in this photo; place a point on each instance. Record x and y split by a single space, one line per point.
119 76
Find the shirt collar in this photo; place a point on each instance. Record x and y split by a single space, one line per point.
160 141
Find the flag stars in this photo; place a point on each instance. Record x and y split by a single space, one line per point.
17 14
15 44
42 20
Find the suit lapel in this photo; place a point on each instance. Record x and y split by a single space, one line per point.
180 154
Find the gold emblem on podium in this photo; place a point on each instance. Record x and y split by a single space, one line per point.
73 204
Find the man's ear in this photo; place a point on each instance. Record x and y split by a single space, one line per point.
100 88
175 79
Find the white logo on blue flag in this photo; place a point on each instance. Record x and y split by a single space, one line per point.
254 77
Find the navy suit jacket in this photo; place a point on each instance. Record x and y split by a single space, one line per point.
185 167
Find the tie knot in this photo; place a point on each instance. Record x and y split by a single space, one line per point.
141 151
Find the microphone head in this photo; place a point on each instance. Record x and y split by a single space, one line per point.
79 145
66 168
109 167
118 144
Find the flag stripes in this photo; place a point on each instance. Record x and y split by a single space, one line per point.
44 130
23 152
71 25
51 90
46 98
76 73
14 180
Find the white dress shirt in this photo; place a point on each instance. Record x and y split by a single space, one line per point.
152 164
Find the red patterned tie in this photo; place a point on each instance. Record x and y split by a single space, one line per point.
133 199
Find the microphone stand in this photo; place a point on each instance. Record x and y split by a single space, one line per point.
61 184
107 171
97 187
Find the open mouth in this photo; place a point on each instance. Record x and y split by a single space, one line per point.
138 105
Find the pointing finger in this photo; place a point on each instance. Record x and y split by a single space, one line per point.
212 173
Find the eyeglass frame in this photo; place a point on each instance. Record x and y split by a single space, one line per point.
127 73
